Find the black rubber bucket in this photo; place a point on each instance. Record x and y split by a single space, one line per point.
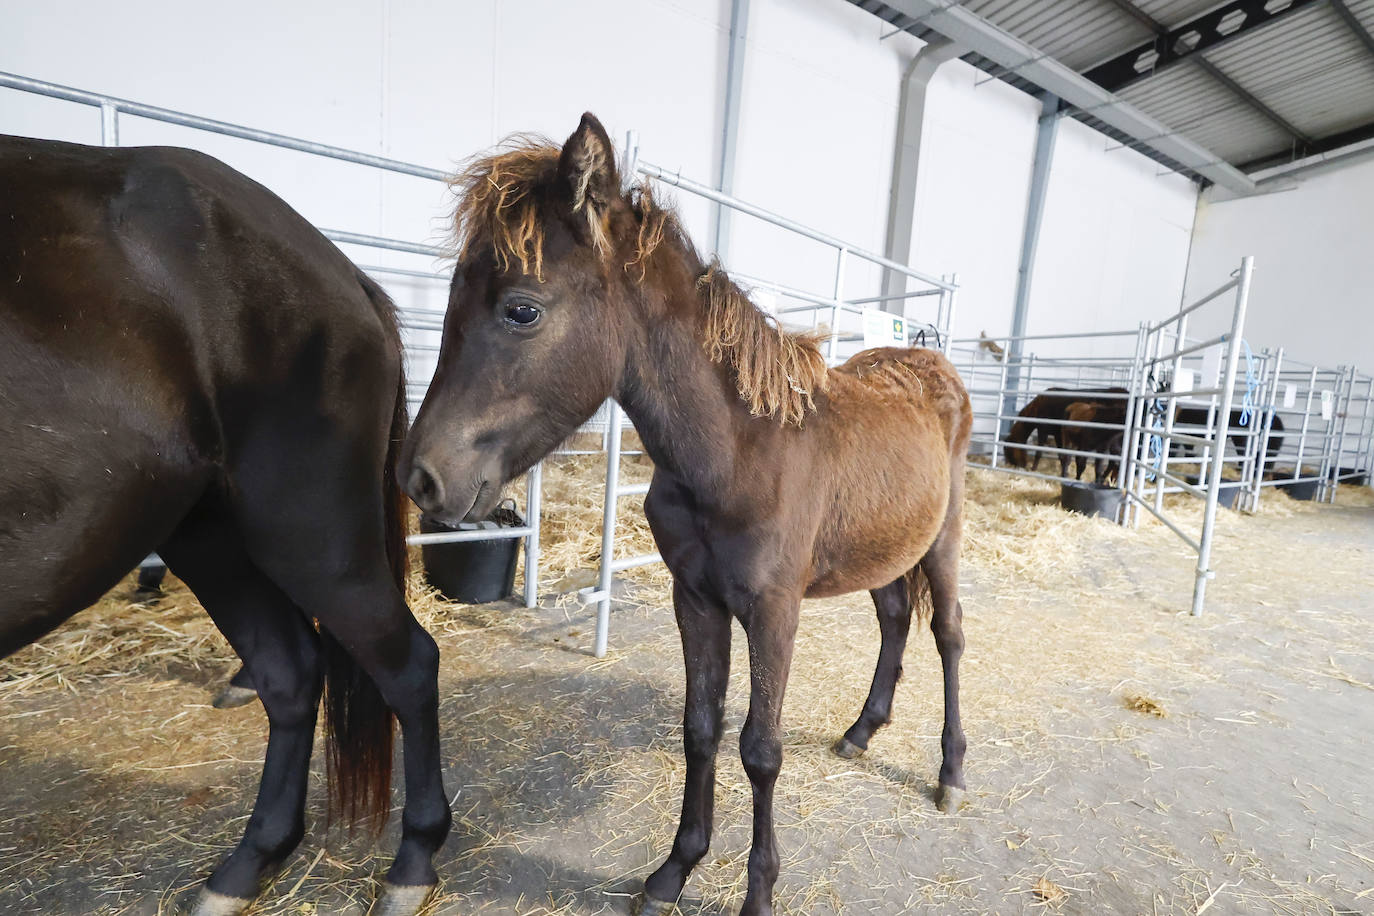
1091 499
1305 490
1226 495
474 572
1355 477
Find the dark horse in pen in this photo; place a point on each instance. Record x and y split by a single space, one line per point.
775 479
187 366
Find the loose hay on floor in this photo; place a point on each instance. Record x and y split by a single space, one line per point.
1064 615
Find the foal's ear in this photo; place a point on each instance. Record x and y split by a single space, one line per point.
587 167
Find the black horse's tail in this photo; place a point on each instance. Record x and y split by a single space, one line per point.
359 725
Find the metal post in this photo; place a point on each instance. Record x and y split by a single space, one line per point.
906 158
1128 417
1002 412
604 581
1046 132
109 124
1269 410
1343 413
629 159
1306 423
1367 433
1209 517
1170 410
734 91
833 343
948 329
1329 438
533 493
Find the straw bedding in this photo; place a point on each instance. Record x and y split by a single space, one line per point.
1076 647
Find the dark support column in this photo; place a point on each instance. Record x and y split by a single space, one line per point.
734 87
906 159
1045 135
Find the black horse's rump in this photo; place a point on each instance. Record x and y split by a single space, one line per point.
1052 406
187 366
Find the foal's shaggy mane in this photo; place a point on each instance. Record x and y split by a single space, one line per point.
776 371
499 195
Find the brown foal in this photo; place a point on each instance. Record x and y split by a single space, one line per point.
775 478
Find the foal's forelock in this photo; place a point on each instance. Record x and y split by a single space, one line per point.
499 198
498 202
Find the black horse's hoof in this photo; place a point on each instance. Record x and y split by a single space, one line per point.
233 695
949 799
211 903
847 749
401 899
648 906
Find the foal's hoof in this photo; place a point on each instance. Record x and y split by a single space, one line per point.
648 906
949 799
401 899
847 749
233 695
210 903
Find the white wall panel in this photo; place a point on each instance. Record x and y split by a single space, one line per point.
1114 243
433 82
1313 286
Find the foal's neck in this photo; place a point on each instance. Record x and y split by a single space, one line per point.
685 406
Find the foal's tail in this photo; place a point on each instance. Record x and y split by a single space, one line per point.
359 725
918 587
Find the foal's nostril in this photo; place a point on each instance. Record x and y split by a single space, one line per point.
425 488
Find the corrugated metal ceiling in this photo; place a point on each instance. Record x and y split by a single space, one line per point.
1261 94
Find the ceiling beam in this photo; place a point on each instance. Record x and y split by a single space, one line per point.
1216 73
1330 144
1186 41
1354 25
1005 49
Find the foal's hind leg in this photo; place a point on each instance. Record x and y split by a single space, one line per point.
280 650
941 566
893 602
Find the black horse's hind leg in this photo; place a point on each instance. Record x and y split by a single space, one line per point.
705 629
893 603
334 566
281 652
941 566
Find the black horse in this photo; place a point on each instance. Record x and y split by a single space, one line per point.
187 366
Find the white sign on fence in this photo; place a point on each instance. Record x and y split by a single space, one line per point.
883 329
1326 405
1211 367
1290 394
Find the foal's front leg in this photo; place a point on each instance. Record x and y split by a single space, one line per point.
771 627
705 629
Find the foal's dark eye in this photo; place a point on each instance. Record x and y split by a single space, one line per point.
523 314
